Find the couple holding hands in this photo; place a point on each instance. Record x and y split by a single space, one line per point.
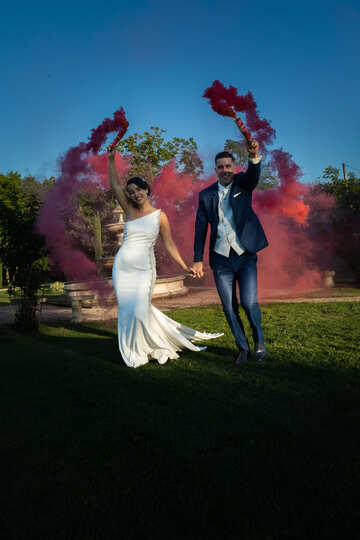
236 235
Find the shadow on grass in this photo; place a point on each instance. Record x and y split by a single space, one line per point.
198 447
105 329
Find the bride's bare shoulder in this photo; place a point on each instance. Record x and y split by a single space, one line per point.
164 222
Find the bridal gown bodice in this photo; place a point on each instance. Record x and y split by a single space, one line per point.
144 332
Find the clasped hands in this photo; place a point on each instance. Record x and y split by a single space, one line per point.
196 271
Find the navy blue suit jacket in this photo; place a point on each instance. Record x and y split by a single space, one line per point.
248 227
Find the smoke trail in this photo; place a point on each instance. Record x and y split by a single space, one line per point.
288 264
287 199
225 101
177 195
77 172
284 211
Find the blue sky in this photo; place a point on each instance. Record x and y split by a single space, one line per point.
66 66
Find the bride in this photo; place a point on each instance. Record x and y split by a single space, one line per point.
144 332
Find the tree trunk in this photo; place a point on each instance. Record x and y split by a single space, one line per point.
25 318
97 237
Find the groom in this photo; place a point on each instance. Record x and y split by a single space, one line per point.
235 238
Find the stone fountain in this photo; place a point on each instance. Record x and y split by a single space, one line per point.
81 294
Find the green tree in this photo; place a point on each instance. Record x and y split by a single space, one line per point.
22 250
346 192
345 217
149 151
38 189
238 150
94 209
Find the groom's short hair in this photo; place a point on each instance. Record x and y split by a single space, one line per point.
222 155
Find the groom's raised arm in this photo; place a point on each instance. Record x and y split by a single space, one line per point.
250 179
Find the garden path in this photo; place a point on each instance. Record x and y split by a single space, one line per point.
198 296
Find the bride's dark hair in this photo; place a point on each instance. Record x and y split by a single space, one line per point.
139 182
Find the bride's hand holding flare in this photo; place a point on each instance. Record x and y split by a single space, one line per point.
111 152
114 181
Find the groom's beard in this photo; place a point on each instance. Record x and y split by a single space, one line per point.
226 177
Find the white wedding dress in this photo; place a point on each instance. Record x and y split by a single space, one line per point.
144 332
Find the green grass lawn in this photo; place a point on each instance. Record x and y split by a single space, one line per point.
4 297
331 293
198 448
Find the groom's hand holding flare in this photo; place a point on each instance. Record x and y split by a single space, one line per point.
252 144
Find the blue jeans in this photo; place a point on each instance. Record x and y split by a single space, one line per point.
242 270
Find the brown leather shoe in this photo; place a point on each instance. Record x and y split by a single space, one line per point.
242 357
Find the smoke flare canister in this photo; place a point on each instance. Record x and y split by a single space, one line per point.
243 129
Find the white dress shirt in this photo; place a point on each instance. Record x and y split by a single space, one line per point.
226 231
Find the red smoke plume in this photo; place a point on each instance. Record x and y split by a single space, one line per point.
76 172
99 164
286 265
99 134
177 195
226 101
287 199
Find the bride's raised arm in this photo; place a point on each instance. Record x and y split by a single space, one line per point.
165 233
115 183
